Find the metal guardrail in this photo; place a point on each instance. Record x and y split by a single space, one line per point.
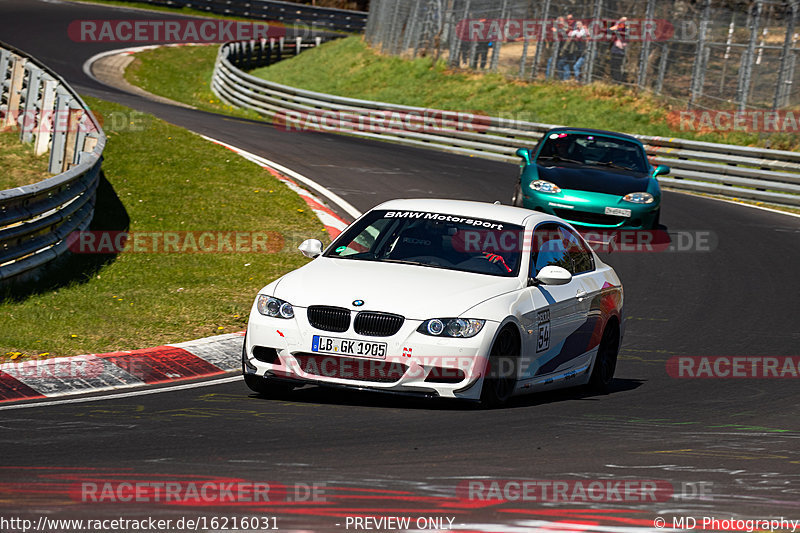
327 18
734 171
36 219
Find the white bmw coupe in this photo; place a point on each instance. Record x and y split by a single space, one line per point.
441 298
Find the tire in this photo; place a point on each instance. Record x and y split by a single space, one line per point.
503 360
516 200
262 385
605 362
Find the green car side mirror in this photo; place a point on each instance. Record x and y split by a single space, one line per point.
525 154
661 170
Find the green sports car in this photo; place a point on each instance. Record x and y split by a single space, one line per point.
591 178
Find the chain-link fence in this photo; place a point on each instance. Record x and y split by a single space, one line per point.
710 53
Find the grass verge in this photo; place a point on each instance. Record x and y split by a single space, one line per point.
160 178
20 166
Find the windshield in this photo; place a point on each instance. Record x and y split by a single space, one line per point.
596 150
432 240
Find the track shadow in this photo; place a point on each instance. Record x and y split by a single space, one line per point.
109 215
364 398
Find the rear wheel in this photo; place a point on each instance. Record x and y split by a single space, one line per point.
501 369
606 360
516 200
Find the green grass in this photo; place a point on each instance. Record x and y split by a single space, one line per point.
183 77
160 178
347 67
19 165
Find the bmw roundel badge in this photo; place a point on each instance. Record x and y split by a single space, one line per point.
358 303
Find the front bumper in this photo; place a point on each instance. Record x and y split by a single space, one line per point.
588 209
414 363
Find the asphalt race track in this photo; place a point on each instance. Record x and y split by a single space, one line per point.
736 441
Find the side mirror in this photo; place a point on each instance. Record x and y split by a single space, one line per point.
311 248
661 170
553 275
525 154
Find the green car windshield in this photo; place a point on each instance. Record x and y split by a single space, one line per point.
591 149
435 240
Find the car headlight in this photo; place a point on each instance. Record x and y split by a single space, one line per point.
545 186
451 327
274 307
639 198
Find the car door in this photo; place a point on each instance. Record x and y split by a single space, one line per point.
555 314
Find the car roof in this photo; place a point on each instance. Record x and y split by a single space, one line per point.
593 131
465 208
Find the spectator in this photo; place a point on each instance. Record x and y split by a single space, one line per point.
618 47
579 36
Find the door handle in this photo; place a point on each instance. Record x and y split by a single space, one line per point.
581 294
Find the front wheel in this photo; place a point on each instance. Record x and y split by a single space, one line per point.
501 370
516 200
605 362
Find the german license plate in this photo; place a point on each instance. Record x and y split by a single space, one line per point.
617 211
339 346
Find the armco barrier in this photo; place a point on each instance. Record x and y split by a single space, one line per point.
289 13
735 171
36 219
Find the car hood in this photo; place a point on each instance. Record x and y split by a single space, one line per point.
416 292
618 183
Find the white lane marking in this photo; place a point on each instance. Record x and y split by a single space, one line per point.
332 196
146 392
771 210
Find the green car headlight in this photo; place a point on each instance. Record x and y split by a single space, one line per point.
639 198
545 186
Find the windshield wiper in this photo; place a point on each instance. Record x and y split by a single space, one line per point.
612 165
406 262
559 158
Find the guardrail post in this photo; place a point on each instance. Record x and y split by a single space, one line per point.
746 70
30 108
782 88
644 58
60 121
699 71
14 91
74 117
44 125
317 41
298 42
591 51
498 44
281 43
542 39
